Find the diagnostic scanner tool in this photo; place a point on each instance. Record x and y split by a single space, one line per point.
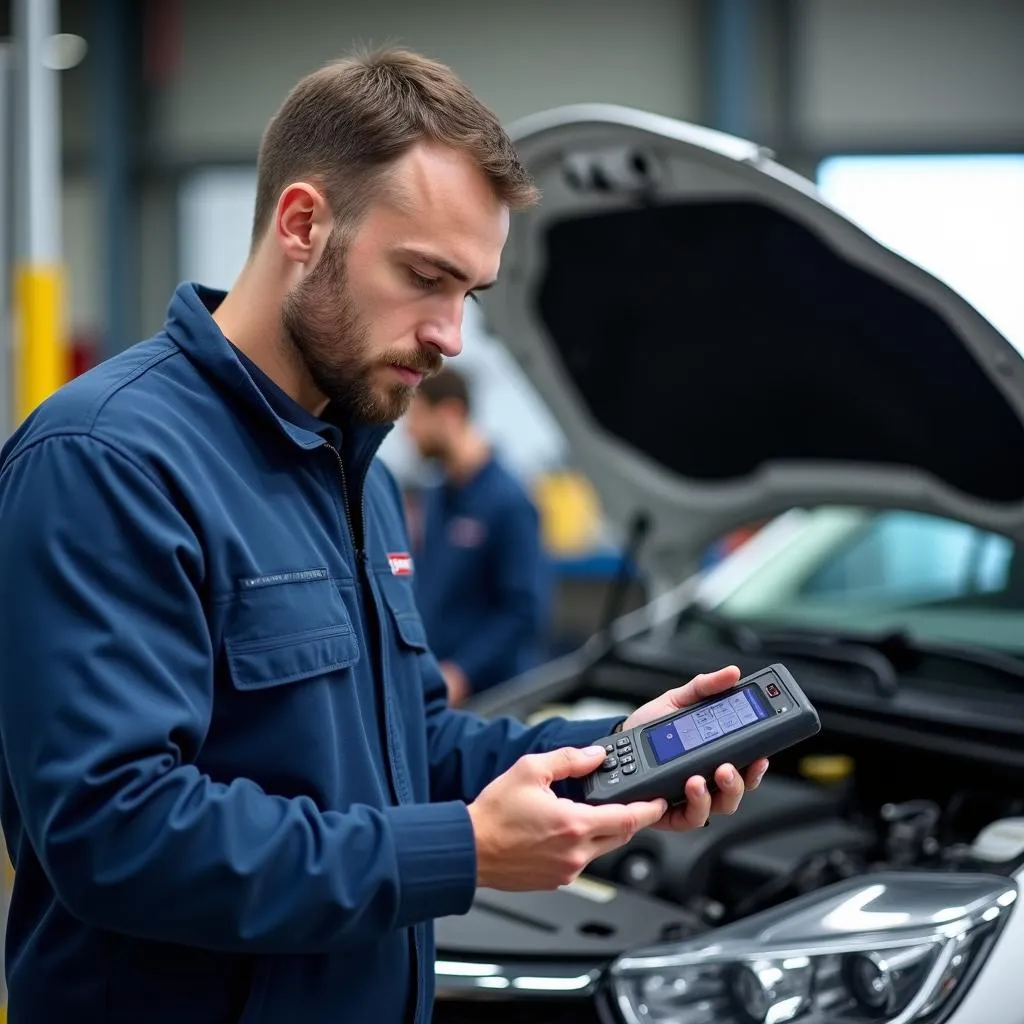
761 715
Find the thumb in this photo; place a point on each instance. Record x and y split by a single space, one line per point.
703 686
567 763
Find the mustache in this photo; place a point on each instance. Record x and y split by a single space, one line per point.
425 360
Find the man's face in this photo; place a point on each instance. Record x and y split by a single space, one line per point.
380 312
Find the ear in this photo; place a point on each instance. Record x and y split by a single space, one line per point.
302 223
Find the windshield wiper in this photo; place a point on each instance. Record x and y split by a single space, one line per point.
903 650
883 656
819 646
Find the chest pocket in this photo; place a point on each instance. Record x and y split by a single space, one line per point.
287 627
401 602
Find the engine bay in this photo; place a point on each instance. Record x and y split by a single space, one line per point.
845 803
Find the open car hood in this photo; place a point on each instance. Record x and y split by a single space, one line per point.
719 344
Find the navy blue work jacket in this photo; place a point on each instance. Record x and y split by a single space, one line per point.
230 782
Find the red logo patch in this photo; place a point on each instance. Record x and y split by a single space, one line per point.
400 562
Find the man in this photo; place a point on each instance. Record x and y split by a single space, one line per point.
231 785
481 576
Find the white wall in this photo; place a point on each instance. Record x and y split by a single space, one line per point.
908 73
895 74
867 72
519 57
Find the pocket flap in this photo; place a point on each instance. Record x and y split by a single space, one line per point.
295 629
401 602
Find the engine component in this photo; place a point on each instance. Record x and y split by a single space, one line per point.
1001 842
681 867
761 872
913 832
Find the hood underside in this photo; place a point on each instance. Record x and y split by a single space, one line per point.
720 345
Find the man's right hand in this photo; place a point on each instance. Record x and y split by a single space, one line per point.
527 838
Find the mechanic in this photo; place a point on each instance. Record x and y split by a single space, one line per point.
231 784
482 577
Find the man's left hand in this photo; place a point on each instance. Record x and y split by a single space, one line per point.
457 683
700 805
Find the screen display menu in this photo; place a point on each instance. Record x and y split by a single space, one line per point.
695 728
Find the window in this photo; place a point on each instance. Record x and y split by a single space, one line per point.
904 557
960 217
872 572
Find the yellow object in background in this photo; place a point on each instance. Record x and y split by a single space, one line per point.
826 769
41 358
40 367
570 513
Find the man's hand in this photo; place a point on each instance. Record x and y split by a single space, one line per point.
456 681
529 839
731 785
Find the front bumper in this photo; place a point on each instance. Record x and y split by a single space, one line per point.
469 992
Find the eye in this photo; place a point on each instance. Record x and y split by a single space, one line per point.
425 283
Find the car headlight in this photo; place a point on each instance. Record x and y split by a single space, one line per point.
884 947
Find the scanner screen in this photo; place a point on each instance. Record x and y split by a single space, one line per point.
695 728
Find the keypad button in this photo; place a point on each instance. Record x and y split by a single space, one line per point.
627 759
624 742
609 749
629 769
626 750
610 763
612 780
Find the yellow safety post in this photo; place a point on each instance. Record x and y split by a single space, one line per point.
40 349
41 357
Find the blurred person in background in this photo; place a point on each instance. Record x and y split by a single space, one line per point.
482 576
230 781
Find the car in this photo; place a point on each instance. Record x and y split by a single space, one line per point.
724 350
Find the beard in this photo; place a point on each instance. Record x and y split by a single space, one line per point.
332 342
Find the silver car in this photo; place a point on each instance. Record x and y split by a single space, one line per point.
722 348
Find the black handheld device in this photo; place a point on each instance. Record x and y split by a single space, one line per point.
762 714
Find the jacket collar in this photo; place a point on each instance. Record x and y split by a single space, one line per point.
190 325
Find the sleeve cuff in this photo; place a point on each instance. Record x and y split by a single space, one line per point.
436 853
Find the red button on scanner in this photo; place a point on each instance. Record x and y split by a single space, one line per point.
773 690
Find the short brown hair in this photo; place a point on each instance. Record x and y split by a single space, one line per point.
343 124
447 385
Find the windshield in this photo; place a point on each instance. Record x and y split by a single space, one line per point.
859 570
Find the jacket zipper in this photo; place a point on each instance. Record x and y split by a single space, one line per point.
348 511
360 555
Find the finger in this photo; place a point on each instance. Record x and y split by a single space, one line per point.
755 773
694 813
675 821
703 686
730 790
650 814
564 763
624 820
697 809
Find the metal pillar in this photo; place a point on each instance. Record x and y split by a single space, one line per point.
7 149
40 332
115 86
733 71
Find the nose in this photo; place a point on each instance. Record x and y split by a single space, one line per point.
443 331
